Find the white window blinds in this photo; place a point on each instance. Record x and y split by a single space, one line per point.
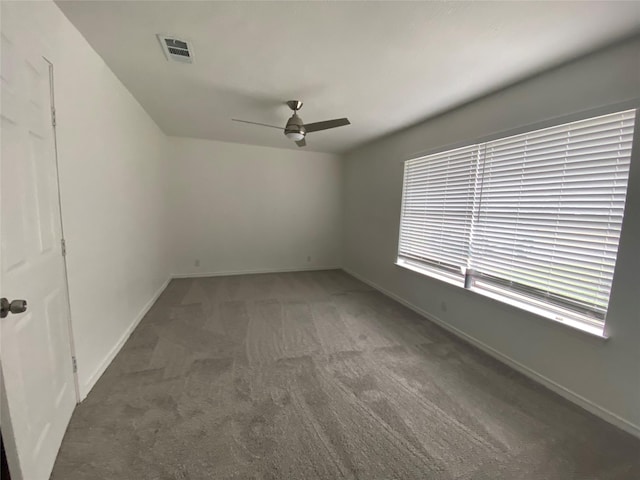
537 214
551 207
437 208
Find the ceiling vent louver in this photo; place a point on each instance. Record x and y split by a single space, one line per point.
176 50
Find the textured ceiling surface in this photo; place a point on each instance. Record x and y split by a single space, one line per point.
385 65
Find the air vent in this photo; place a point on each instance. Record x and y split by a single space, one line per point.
175 49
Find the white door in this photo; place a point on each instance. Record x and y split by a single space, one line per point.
35 345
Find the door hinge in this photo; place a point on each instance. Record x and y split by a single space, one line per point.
53 116
75 364
63 244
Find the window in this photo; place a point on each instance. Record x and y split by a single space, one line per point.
531 219
438 209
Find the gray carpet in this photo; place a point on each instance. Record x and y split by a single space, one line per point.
316 376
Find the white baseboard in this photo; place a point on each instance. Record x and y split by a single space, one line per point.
91 381
251 272
564 392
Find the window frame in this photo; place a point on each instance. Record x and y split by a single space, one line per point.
548 311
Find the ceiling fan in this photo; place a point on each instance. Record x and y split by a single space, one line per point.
296 129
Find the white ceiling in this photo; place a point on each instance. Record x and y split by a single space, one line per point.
385 65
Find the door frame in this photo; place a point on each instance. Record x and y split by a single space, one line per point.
72 345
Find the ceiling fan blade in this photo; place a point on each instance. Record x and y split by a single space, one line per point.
338 122
301 143
256 123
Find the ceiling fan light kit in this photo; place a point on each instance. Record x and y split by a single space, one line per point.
296 129
295 136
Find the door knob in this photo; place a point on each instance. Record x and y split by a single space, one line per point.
15 306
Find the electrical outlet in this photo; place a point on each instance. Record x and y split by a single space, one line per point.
309 258
443 306
197 262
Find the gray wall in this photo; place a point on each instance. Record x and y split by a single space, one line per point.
245 208
603 376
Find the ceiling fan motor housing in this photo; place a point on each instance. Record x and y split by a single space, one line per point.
295 125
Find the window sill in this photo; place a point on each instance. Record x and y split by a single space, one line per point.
523 303
512 299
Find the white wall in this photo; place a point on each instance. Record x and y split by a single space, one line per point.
112 166
601 375
241 208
